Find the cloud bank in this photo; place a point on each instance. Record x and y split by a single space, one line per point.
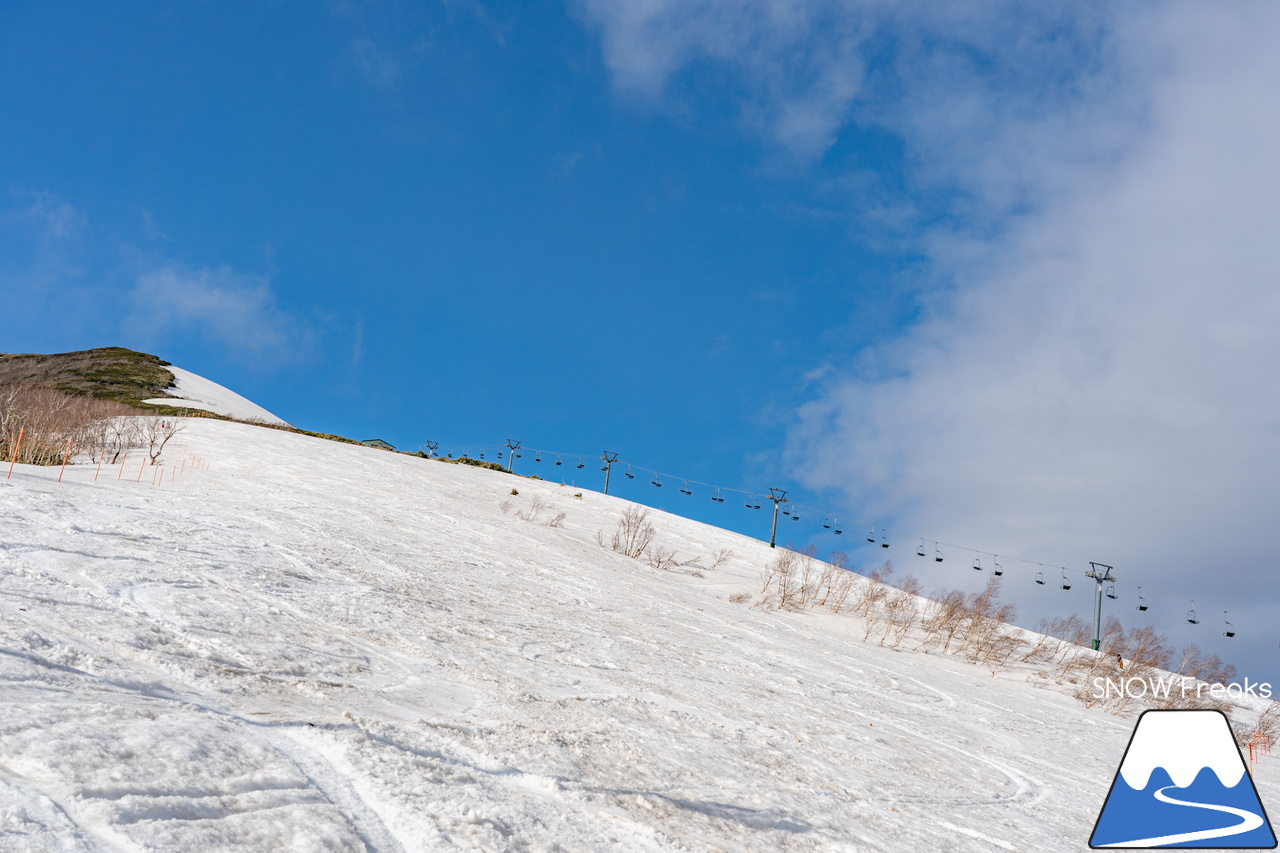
1092 375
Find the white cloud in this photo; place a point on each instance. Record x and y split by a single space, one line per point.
235 311
1092 374
801 58
1101 384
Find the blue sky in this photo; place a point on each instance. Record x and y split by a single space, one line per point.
992 276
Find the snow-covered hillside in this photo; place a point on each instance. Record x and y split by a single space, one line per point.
311 646
195 392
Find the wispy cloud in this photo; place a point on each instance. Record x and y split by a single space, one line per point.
801 59
236 312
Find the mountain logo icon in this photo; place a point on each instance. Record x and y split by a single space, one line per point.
1183 783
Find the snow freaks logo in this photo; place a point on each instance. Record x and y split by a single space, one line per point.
1164 687
1183 783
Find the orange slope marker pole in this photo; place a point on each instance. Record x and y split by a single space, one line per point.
65 457
99 471
140 467
21 433
122 461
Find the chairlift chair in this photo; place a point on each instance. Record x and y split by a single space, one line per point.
871 535
1111 591
628 473
884 538
581 464
537 456
558 462
1040 578
657 481
826 525
920 550
836 526
996 570
1191 614
481 454
1142 602
793 512
685 490
717 496
937 553
977 564
1230 629
499 454
1066 583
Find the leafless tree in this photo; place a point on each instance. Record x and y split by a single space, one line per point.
155 433
634 533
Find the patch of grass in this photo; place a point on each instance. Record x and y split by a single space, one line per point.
108 373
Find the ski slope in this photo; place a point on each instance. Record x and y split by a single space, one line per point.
312 646
195 392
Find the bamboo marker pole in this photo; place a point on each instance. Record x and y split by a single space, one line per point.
21 433
65 457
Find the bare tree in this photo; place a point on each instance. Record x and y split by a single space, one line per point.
155 434
634 533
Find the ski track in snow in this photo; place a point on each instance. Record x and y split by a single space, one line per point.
318 647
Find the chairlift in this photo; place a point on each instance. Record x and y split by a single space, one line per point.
537 456
558 462
1111 591
628 473
937 553
755 501
581 464
977 564
826 524
996 570
1040 578
920 550
1142 602
657 481
793 512
884 538
717 496
835 522
685 490
871 535
499 454
1066 582
481 454
1191 614
1230 629
450 454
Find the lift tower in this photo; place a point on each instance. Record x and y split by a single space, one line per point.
1100 574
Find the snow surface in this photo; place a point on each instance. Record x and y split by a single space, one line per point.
1183 744
313 646
196 392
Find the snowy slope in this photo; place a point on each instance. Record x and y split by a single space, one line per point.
196 392
312 646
